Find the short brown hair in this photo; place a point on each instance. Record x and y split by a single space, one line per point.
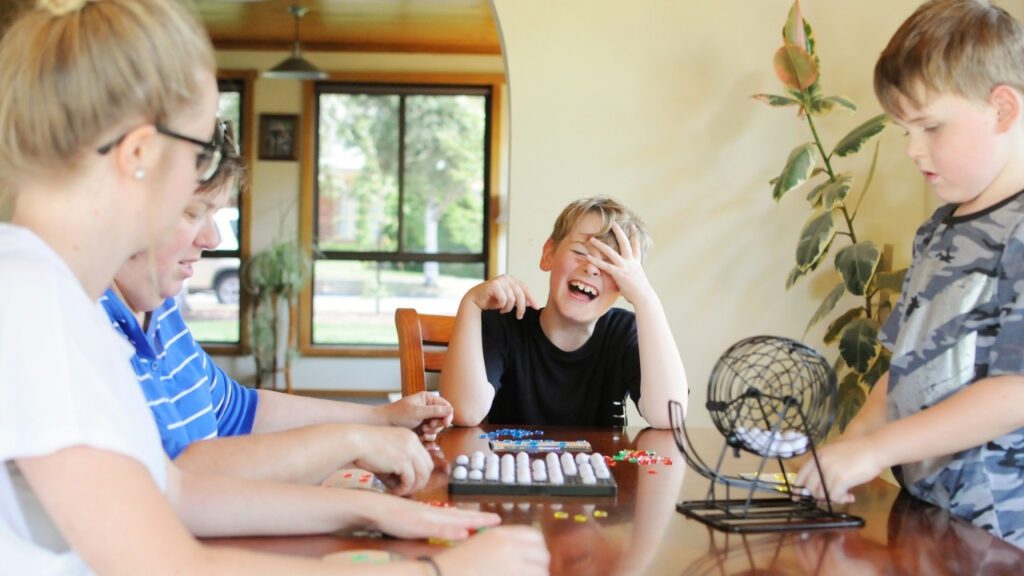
610 211
73 70
963 47
232 170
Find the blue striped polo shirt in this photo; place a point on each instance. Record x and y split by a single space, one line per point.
190 397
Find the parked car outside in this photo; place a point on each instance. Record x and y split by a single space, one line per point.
220 274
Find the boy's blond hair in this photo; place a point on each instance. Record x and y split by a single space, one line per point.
610 211
72 70
961 47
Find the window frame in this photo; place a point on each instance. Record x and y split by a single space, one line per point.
492 82
245 79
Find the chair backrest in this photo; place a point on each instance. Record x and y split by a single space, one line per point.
415 331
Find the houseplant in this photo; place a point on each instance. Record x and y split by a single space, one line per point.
834 208
275 277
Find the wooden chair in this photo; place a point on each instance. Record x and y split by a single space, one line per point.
416 330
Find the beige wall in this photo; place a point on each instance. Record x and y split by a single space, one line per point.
650 102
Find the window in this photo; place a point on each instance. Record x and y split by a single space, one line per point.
210 300
400 204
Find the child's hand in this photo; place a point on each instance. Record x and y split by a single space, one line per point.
403 518
394 454
424 412
503 293
845 463
503 551
623 266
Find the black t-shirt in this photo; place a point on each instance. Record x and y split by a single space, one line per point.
537 383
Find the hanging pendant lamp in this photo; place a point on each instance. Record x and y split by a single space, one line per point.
295 67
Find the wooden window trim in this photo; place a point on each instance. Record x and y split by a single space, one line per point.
307 186
248 79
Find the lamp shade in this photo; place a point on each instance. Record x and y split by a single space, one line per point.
295 67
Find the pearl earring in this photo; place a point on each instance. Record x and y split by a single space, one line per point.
140 173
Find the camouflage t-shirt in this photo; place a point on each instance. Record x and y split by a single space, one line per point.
959 319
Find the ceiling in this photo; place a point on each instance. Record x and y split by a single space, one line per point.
437 26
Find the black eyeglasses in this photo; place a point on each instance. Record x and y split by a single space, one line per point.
207 161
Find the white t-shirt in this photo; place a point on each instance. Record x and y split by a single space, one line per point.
65 380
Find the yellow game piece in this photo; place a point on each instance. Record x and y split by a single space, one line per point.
561 515
579 518
440 542
600 514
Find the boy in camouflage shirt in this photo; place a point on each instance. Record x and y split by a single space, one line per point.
949 415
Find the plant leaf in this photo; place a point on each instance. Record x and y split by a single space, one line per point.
827 305
870 178
776 100
837 325
820 106
859 344
880 367
798 169
853 141
794 275
857 263
815 237
814 196
824 252
795 67
841 101
834 194
793 30
851 398
891 281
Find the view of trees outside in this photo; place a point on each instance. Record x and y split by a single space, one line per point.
401 174
210 299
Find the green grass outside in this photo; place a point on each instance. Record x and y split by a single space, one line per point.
214 331
355 333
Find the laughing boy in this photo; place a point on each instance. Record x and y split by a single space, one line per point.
573 361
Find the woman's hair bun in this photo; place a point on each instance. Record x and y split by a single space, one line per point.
61 7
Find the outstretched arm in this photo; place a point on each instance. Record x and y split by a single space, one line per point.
662 377
464 377
423 411
247 507
983 411
114 516
309 454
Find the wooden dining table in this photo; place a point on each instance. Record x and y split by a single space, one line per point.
639 531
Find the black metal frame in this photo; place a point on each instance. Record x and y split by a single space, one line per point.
749 514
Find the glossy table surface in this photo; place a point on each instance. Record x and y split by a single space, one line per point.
643 534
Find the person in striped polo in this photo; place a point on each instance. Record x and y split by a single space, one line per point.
208 421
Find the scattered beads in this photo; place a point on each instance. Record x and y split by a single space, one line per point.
641 457
512 433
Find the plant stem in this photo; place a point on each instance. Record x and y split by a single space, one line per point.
832 177
831 174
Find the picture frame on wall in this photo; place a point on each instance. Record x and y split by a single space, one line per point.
279 137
